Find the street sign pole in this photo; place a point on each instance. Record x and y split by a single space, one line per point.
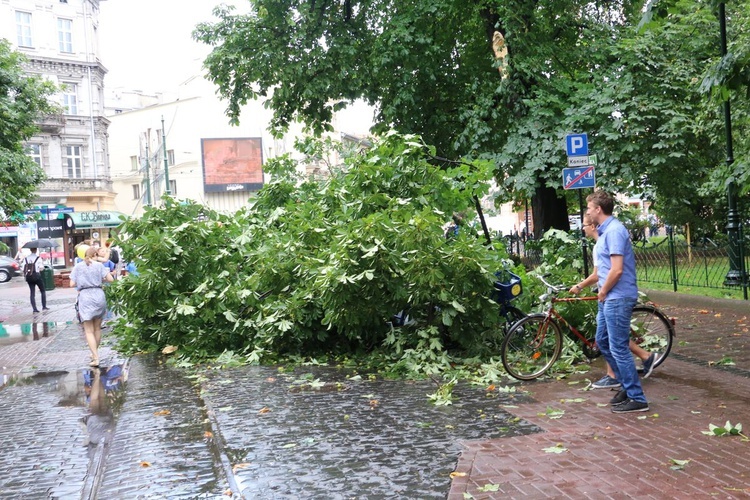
584 243
580 176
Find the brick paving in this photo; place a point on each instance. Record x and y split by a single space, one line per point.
627 456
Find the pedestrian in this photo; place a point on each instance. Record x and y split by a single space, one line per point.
88 277
32 271
618 293
20 256
648 359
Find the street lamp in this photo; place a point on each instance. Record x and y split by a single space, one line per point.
735 276
166 161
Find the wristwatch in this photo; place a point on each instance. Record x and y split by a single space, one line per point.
579 287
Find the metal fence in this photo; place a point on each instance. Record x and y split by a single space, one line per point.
672 261
704 263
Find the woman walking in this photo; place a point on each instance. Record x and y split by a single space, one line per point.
87 277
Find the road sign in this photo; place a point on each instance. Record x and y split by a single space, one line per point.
578 161
579 178
577 144
581 161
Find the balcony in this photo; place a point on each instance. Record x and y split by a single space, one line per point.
52 124
65 185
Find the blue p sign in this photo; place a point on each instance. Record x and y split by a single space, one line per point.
577 144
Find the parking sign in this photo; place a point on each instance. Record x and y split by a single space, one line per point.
577 144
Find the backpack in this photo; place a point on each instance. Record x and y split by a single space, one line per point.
29 270
114 256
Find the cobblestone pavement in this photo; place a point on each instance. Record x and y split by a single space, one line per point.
318 434
260 432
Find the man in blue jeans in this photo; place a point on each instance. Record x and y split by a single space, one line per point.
618 293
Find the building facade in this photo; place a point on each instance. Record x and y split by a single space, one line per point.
60 40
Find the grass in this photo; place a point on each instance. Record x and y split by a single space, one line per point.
718 293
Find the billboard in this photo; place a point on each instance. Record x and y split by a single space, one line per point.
232 164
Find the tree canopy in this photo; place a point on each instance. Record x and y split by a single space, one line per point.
23 99
507 80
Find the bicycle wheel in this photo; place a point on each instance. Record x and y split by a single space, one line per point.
531 347
652 330
511 315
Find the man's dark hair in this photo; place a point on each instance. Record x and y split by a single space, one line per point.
602 199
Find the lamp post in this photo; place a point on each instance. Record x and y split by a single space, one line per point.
166 162
735 275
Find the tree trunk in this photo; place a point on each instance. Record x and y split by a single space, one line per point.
549 211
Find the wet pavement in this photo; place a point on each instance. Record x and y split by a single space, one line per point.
142 429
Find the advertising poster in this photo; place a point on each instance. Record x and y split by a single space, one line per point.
232 164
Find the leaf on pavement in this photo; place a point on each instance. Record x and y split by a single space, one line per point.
678 464
489 487
558 448
162 413
169 349
145 464
263 410
457 474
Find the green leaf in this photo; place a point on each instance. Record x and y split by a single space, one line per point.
488 488
185 309
558 448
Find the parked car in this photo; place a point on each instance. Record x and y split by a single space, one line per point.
8 268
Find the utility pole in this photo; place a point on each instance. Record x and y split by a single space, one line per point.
735 276
166 162
148 179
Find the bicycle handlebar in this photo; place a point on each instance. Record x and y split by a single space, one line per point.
552 288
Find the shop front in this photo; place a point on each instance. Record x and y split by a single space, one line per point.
93 225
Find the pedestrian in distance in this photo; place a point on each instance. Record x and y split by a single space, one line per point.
88 277
609 381
32 271
618 294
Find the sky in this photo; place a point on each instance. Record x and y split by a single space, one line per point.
147 44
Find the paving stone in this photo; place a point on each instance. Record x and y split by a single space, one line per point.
370 439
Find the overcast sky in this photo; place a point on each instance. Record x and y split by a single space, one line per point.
146 44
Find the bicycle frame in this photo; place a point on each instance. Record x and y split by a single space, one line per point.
552 313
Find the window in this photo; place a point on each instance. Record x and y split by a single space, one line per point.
170 157
35 152
23 29
173 187
136 191
72 160
134 163
65 35
70 98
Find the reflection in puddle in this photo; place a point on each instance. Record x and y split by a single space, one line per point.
28 332
102 390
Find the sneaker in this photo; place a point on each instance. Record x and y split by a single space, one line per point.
630 406
606 382
620 398
648 365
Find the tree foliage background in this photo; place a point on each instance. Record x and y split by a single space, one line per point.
644 79
319 266
23 99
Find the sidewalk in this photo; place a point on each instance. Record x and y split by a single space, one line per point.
627 456
262 432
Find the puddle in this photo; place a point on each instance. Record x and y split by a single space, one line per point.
28 332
